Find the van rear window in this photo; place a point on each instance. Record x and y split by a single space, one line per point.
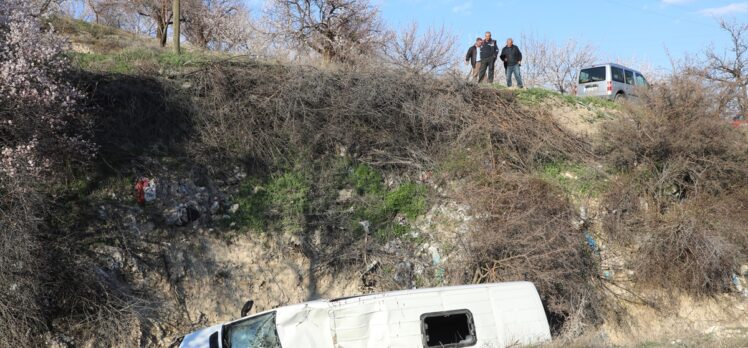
592 74
450 329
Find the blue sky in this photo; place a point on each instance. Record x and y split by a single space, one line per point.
640 29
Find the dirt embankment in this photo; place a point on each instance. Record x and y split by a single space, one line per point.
285 184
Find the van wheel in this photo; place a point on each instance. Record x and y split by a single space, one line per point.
620 97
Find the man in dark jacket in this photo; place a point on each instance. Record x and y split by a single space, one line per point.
512 58
493 50
473 58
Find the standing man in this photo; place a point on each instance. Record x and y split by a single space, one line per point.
473 58
493 48
486 61
512 58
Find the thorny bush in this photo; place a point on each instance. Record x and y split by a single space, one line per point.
680 199
525 231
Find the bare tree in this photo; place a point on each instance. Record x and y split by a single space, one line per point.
96 8
729 70
336 29
122 14
564 61
159 11
216 24
431 52
108 12
550 64
535 55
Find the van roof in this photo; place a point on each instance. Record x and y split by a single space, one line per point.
611 64
523 286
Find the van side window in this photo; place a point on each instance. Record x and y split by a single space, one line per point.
448 329
640 80
617 74
629 77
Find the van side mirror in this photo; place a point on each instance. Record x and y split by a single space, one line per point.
247 307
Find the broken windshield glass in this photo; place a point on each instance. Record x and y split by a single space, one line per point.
254 332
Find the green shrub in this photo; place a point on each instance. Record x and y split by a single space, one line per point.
408 199
288 197
254 202
283 199
380 207
366 180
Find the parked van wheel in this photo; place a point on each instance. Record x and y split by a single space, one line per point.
620 97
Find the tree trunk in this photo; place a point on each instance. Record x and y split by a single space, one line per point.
177 15
161 33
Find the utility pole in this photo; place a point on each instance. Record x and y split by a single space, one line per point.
177 17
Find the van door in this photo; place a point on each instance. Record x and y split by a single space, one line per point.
630 83
618 81
641 82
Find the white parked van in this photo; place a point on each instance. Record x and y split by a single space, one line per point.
485 315
609 80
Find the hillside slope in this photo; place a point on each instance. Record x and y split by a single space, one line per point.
289 183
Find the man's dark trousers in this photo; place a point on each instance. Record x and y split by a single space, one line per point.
486 67
491 63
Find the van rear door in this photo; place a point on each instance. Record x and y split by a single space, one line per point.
592 81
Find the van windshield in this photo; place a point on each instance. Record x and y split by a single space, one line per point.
592 74
254 332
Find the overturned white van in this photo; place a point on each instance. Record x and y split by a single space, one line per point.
485 315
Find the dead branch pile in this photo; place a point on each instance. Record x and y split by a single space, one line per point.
266 112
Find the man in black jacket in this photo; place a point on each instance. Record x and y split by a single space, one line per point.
473 58
492 50
512 58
